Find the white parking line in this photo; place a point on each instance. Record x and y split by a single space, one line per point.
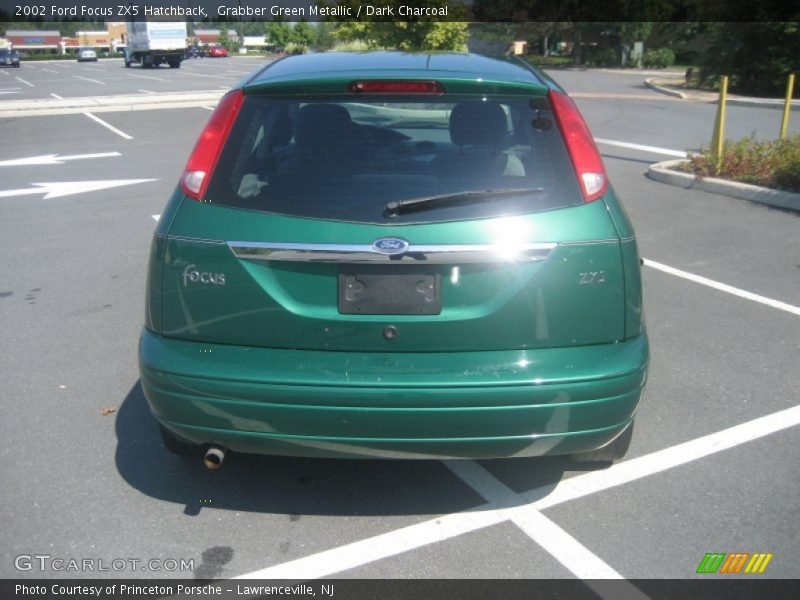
56 96
50 70
662 460
20 79
208 107
89 79
108 126
211 76
654 149
381 546
4 72
146 91
795 310
144 77
442 528
156 217
573 555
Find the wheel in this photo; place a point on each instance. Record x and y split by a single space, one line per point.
176 445
174 64
127 64
609 453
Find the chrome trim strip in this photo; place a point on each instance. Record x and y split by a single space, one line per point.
589 242
193 240
365 253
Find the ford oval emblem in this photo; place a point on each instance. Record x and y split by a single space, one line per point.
389 245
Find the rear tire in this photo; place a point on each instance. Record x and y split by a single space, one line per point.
176 445
609 453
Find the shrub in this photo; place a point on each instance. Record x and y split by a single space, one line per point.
773 164
296 49
605 57
659 58
549 61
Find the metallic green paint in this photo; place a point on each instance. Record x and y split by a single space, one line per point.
634 302
522 361
500 306
524 402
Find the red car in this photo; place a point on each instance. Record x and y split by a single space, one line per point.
217 52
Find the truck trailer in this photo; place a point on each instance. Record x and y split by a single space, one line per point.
152 43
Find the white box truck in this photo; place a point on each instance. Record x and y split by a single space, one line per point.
152 43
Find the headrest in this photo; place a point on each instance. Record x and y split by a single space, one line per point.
480 123
278 126
322 123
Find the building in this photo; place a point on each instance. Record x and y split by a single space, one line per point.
256 42
32 40
205 37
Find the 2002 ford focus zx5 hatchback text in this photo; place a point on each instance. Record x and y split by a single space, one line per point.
395 255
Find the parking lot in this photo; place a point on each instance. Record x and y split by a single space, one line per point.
108 77
712 466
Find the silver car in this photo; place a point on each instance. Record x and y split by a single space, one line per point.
87 55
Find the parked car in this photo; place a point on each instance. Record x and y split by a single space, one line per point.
395 255
9 58
216 52
87 55
194 52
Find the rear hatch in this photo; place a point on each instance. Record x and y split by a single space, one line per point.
388 218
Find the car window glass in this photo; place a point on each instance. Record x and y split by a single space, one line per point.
346 158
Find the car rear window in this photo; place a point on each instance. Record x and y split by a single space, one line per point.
347 158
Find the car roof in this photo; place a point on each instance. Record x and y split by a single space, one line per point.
386 64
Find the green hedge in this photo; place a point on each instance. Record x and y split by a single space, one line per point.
69 56
659 58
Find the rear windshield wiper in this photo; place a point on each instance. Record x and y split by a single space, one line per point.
393 209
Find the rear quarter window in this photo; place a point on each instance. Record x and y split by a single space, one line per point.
346 158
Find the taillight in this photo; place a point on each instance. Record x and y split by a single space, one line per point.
395 87
208 148
580 145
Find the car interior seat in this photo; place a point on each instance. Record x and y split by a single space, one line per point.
479 130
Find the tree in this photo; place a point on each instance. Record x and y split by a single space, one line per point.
224 39
324 39
279 33
757 56
303 34
425 33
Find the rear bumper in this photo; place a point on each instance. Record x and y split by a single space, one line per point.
401 405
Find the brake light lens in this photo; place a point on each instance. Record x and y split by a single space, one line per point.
580 145
395 87
208 148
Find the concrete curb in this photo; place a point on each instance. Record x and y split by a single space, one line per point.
64 106
662 172
759 103
662 90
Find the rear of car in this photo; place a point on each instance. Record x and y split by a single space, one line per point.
385 255
9 58
87 55
217 52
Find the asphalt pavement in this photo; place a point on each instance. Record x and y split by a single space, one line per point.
108 77
712 466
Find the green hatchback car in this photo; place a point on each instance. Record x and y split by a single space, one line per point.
395 255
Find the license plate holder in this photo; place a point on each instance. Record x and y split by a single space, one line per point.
390 289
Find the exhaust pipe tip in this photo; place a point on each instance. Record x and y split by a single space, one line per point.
213 457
